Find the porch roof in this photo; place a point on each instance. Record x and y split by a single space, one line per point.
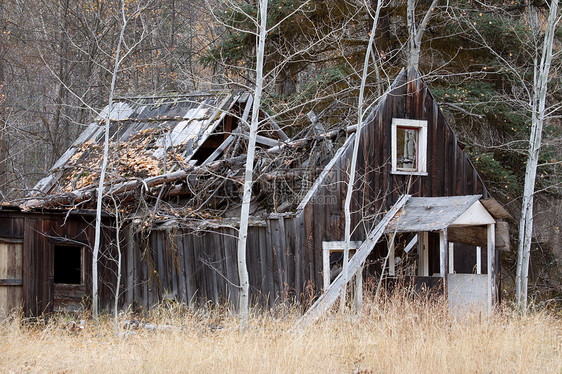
437 213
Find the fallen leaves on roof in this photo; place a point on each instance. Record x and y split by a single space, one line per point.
133 159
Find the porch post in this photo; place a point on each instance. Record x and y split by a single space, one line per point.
426 254
443 255
326 265
451 258
391 270
358 299
491 254
420 253
423 258
478 260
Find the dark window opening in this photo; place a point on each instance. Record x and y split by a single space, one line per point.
214 141
409 146
68 264
406 259
336 264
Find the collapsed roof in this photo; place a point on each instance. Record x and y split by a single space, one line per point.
141 131
187 146
183 156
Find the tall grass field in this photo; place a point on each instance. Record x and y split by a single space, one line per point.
394 335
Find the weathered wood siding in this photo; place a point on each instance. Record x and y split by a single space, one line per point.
38 235
449 170
11 280
198 267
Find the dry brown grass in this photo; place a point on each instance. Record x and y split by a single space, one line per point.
395 336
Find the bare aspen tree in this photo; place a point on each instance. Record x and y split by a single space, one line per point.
248 175
538 115
528 66
259 82
97 237
3 120
270 73
416 32
352 170
117 61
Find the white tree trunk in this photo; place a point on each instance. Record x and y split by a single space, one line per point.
416 31
248 176
352 170
538 105
95 253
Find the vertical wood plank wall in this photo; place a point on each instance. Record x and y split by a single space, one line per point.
11 280
199 267
37 234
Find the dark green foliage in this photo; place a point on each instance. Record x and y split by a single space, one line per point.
496 173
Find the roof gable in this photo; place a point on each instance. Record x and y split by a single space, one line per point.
449 171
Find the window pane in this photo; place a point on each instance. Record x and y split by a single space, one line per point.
407 148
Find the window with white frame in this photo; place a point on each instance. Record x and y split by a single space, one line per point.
409 146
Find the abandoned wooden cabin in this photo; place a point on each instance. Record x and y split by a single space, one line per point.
172 199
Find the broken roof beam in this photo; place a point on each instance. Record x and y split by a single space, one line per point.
264 140
221 111
304 141
224 145
77 196
217 152
277 128
247 109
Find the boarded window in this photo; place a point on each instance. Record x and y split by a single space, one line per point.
68 264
